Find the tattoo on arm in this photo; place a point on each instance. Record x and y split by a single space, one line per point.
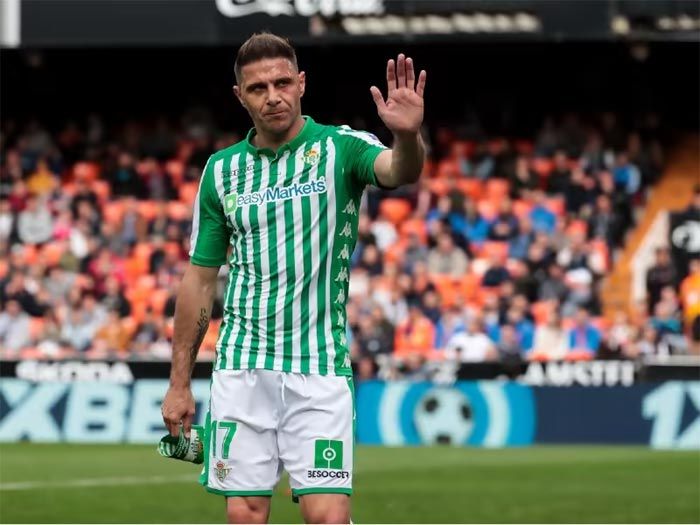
202 325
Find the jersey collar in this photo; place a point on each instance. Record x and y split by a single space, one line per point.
301 137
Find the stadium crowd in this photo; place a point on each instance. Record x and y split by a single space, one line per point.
497 254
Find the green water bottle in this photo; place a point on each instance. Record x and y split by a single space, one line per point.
184 449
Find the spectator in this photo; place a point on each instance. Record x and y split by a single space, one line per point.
519 245
583 336
34 224
83 193
543 220
578 194
415 252
450 323
112 336
76 334
664 321
475 229
472 345
42 182
414 335
560 177
660 275
7 220
496 273
446 258
133 226
49 341
509 346
523 327
123 179
626 175
551 341
371 261
604 223
114 298
14 327
384 232
553 287
523 180
430 305
505 226
620 337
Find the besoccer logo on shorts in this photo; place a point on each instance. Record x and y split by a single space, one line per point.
329 454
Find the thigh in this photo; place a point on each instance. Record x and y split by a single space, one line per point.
316 434
241 442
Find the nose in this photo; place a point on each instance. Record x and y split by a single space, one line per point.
273 97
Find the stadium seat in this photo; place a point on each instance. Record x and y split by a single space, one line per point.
36 327
472 188
30 254
497 189
542 166
113 211
52 252
157 300
446 288
395 210
521 208
86 171
557 206
173 248
187 193
577 227
448 168
541 310
143 251
469 286
524 147
148 209
178 211
394 253
134 268
490 249
416 226
487 209
579 355
102 190
438 187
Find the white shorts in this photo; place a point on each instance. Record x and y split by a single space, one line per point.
263 421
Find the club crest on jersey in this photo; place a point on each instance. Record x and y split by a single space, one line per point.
311 156
221 470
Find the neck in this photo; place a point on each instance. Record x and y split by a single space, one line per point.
263 139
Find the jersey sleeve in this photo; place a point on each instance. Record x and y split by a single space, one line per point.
360 149
210 233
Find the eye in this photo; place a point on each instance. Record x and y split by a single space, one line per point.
283 83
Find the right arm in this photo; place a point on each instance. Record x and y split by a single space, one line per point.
208 248
192 313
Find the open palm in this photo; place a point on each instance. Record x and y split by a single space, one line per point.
402 112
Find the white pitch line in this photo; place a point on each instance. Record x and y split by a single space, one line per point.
98 482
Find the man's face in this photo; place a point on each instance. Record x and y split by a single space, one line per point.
271 90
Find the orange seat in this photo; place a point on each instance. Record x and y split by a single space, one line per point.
179 211
416 226
541 310
579 355
130 324
521 208
470 187
577 227
157 300
52 253
86 171
542 166
30 254
148 209
102 190
395 210
36 328
134 268
143 251
4 267
438 187
113 211
448 168
176 170
146 282
491 249
173 247
497 189
557 206
524 147
394 253
469 286
487 209
188 192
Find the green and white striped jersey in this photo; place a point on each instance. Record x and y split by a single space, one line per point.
290 219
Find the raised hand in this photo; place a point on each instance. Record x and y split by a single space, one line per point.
402 112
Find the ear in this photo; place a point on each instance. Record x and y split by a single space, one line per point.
302 83
237 92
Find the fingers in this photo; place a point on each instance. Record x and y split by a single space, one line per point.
401 70
377 97
410 74
187 424
420 88
390 76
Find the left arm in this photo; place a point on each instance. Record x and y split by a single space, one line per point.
402 113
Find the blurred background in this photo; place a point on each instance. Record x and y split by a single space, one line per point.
540 284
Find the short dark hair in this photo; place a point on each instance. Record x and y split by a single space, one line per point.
263 45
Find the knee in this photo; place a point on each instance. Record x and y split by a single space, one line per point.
328 516
247 510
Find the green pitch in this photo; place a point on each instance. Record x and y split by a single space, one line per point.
123 484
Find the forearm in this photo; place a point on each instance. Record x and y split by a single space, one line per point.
192 313
408 156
